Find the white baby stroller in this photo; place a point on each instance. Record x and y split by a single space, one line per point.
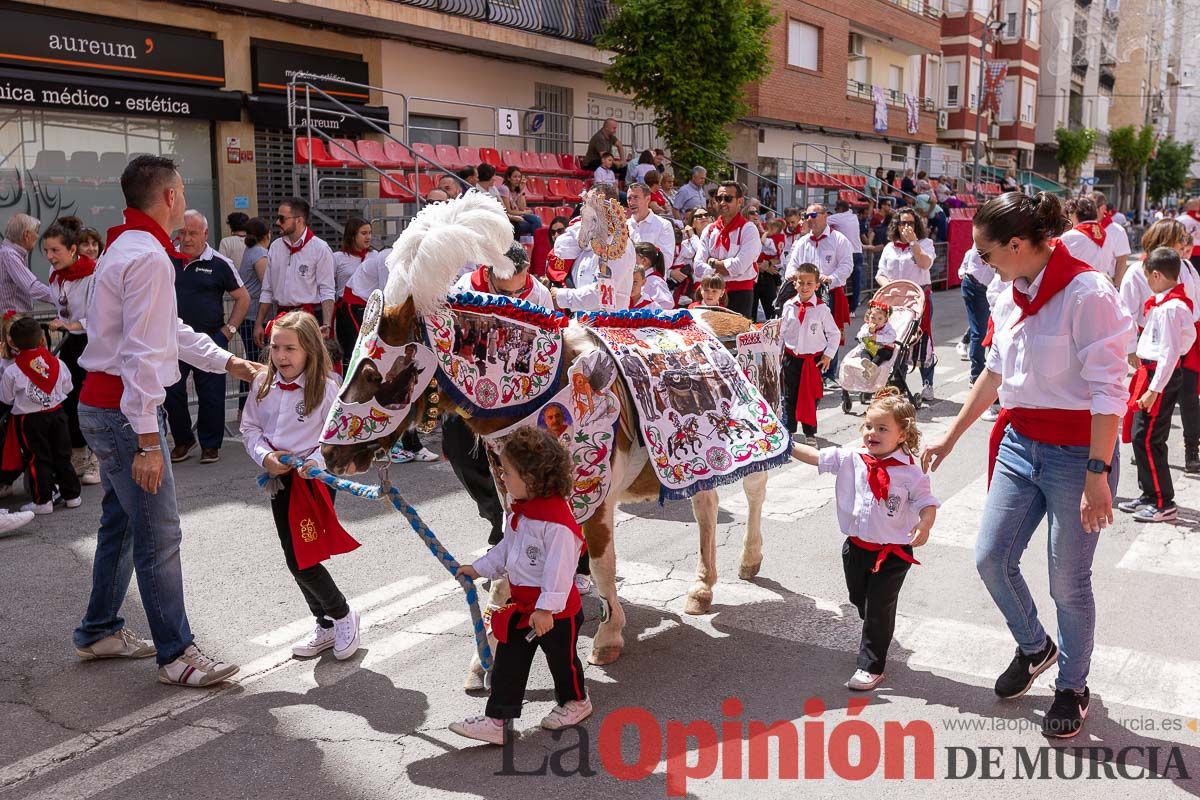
907 302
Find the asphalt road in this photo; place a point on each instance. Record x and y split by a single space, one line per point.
780 646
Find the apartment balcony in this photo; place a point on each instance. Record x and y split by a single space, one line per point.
578 21
928 8
863 91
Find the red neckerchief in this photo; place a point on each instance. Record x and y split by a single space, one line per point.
1106 220
305 239
82 267
1092 230
481 284
725 230
1194 215
804 305
547 509
900 245
1176 293
814 238
359 254
40 366
287 387
137 221
1061 269
877 474
639 304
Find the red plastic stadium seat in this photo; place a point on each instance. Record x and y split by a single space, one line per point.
567 162
394 186
490 155
546 213
531 162
447 156
373 153
422 183
550 164
425 151
564 211
468 156
399 154
511 158
346 151
558 188
575 190
314 150
535 191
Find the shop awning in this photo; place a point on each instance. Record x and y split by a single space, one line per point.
269 111
82 94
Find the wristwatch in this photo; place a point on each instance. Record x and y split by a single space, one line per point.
228 329
1098 466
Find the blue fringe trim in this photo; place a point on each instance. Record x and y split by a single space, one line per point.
652 317
665 494
483 303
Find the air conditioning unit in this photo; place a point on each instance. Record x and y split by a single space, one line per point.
943 120
857 47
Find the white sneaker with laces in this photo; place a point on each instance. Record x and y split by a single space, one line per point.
11 521
425 454
74 502
992 414
963 353
573 713
927 392
483 729
194 669
40 509
122 644
317 642
863 681
345 636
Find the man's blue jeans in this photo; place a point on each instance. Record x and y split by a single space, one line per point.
974 295
138 531
1032 481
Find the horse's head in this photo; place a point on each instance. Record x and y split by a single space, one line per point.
601 215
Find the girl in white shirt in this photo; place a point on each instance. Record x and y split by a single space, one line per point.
908 256
885 508
539 552
285 414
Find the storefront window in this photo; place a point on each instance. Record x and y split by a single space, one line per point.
54 164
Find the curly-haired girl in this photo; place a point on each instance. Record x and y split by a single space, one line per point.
538 553
885 508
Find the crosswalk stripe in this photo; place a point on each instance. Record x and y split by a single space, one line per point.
396 643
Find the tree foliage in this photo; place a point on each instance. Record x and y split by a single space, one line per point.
1130 149
1074 147
689 64
1168 171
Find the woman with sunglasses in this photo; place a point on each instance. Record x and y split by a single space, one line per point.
1057 362
908 255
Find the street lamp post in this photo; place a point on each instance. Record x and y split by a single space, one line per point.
990 26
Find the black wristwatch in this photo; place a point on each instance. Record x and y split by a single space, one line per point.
1098 466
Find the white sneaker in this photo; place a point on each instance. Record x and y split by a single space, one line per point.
482 729
425 454
811 441
345 636
583 583
963 353
863 681
193 668
39 508
398 455
927 392
91 471
317 642
122 644
10 522
992 413
74 502
573 713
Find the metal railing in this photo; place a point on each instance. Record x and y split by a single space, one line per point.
895 98
579 21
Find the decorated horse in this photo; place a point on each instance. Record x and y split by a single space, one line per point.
574 363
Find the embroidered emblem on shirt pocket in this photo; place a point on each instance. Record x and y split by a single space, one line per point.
532 553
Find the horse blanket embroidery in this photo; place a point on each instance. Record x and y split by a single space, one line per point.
584 416
758 354
703 421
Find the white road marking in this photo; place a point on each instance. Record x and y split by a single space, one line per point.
396 643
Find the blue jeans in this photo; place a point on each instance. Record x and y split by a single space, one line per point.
1033 480
210 403
974 295
138 531
528 224
927 372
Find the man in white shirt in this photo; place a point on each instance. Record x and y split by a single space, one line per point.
846 222
300 272
730 246
834 257
1088 239
1120 239
1190 219
135 339
645 226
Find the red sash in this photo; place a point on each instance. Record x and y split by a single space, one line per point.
316 532
82 267
480 283
101 390
639 304
927 313
884 551
137 221
810 390
305 239
40 366
1138 385
10 457
1092 230
1066 427
557 270
991 331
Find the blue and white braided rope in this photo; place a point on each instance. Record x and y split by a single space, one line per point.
414 519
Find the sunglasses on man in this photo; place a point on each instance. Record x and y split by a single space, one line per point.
726 198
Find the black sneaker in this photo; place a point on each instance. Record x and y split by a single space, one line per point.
1067 713
1136 504
1023 670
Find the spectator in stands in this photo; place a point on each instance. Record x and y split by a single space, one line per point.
945 189
436 196
660 159
512 195
881 224
659 203
19 287
605 141
1010 182
234 245
487 180
669 191
692 194
875 183
300 274
604 173
845 222
645 165
908 186
889 184
90 244
450 185
646 226
469 177
251 270
202 280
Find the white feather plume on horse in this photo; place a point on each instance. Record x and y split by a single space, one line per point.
440 241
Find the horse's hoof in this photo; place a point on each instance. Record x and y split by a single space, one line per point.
698 603
749 572
474 683
604 655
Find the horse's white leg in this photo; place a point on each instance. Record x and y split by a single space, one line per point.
755 487
705 506
607 646
498 596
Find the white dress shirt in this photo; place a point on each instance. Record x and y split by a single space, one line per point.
859 513
276 422
846 223
974 266
1071 355
344 267
830 252
789 241
1135 291
1169 333
740 257
536 553
294 279
1100 257
687 251
15 390
134 330
656 230
1120 239
819 333
588 294
72 299
603 175
900 265
658 292
539 295
372 274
